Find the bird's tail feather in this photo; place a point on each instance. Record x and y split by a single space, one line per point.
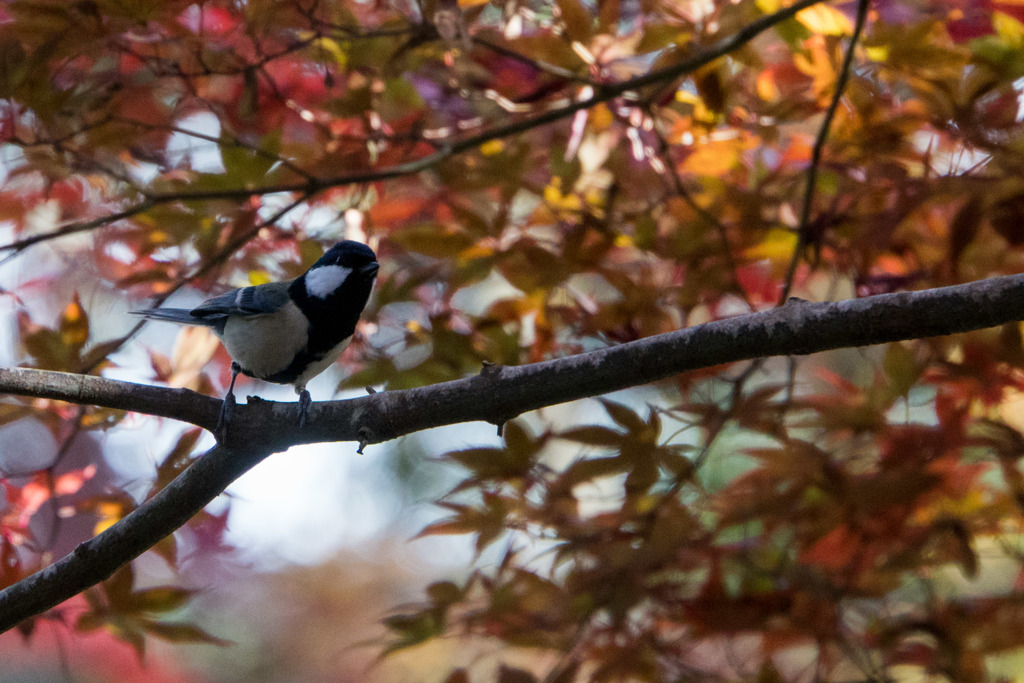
182 316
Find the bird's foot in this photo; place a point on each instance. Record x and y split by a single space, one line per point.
227 406
304 402
227 410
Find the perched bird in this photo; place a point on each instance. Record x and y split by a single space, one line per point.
287 332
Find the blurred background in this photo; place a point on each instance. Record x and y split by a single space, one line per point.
538 179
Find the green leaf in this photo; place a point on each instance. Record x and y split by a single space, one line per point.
182 633
488 521
493 463
901 369
160 599
642 477
89 621
177 461
444 593
413 629
433 239
118 589
519 440
400 96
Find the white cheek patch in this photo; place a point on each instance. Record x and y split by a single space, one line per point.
323 281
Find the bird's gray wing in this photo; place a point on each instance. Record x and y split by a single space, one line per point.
247 301
182 316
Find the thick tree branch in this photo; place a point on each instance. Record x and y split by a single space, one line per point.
496 395
180 404
98 558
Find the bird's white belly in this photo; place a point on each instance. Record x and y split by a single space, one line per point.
266 344
319 366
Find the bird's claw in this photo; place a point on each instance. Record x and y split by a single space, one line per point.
304 402
227 410
227 406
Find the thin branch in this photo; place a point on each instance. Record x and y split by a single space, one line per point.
51 482
179 404
721 230
803 227
602 93
169 68
226 139
98 558
544 67
74 228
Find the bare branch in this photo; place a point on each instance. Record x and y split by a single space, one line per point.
497 395
226 139
74 228
180 404
504 392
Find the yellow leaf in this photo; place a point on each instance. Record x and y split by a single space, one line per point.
331 47
687 97
258 277
193 349
877 53
109 514
1008 28
492 147
1011 409
777 247
74 325
556 199
601 117
825 19
767 90
714 157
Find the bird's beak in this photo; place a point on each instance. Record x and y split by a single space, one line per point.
370 269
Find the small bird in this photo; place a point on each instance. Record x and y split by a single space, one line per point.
287 332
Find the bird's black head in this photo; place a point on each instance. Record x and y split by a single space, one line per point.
334 291
347 254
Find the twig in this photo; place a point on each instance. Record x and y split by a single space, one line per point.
544 67
233 140
803 226
73 228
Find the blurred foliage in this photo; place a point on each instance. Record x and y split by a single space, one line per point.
540 179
